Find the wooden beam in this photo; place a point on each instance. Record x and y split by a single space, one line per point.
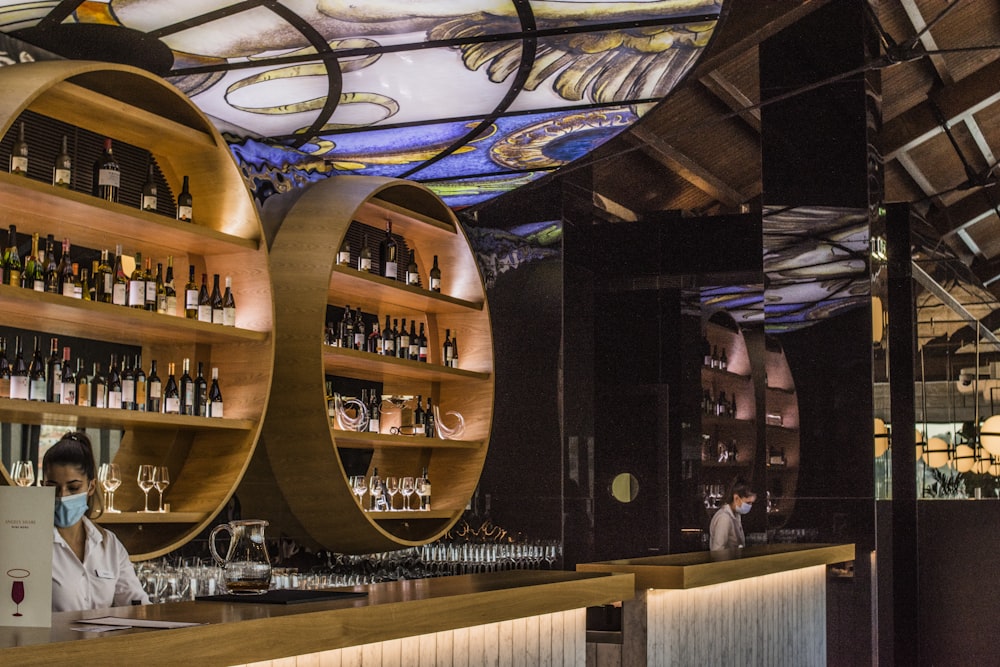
733 97
927 40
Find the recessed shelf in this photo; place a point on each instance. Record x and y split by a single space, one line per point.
368 366
373 293
38 412
410 515
364 440
153 517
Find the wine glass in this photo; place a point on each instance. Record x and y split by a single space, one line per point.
110 478
145 480
17 595
360 486
161 480
392 487
23 473
406 487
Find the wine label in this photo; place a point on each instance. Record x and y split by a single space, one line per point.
218 316
229 317
191 299
101 396
37 390
154 389
374 426
423 353
128 392
140 396
184 213
18 164
150 292
61 177
389 347
390 270
412 278
68 393
83 394
172 405
115 399
39 285
344 258
365 264
67 289
137 293
215 409
436 284
359 341
109 177
204 313
149 202
119 294
172 305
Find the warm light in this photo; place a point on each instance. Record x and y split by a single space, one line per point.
989 435
919 439
936 452
965 458
881 437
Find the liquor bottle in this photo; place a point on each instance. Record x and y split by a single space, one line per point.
51 267
215 404
388 340
37 276
191 296
107 175
154 390
229 304
435 276
137 285
19 153
215 300
185 203
375 411
360 331
418 417
18 373
168 287
148 201
36 375
424 490
454 352
200 393
365 257
67 393
204 301
53 373
403 342
160 289
103 279
4 368
344 254
422 345
82 385
171 396
62 168
119 286
448 349
12 259
114 383
412 275
128 385
430 429
98 388
388 253
414 353
141 386
374 342
187 389
152 285
28 271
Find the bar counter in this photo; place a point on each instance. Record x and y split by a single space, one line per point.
762 605
468 619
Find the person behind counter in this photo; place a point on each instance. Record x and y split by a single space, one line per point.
90 566
726 529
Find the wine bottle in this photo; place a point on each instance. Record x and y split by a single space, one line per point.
67 393
98 388
365 257
430 428
28 272
62 168
215 300
151 284
161 290
107 175
454 352
187 389
215 404
414 353
204 301
185 206
375 411
169 290
360 332
723 360
4 368
53 373
344 254
137 285
148 201
200 393
38 274
128 385
191 296
171 396
51 267
435 276
422 345
104 279
154 390
412 275
448 349
229 304
18 372
387 252
374 344
119 287
36 375
79 280
141 386
424 491
388 340
82 385
403 342
19 153
418 417
12 259
706 352
114 383
345 336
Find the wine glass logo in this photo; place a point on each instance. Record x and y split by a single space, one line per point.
18 574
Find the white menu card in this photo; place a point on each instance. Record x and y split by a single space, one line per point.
26 556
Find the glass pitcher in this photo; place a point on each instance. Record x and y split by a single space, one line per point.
246 567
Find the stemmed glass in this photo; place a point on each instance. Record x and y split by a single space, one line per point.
161 480
406 487
23 473
110 478
392 487
17 596
359 485
146 481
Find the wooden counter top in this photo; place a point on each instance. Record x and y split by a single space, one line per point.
238 633
703 568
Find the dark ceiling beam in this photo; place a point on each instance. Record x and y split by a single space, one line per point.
734 98
927 40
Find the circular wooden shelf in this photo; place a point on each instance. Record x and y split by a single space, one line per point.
303 450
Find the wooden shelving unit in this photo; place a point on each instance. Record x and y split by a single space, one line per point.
302 447
206 457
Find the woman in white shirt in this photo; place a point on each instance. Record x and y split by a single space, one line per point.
90 567
726 529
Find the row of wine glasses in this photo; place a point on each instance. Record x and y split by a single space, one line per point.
150 477
23 473
109 477
377 487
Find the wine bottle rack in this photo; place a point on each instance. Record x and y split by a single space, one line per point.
302 447
206 457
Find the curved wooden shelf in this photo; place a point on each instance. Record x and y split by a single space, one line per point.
311 224
206 457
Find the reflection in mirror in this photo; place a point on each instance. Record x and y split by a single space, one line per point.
625 487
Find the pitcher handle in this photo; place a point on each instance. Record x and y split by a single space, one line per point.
211 542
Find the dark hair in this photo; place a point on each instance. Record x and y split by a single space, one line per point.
738 487
74 449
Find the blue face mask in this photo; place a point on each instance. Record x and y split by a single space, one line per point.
70 509
744 508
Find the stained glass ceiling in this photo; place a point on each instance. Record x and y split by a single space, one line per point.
471 97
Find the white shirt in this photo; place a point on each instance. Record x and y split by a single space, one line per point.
726 530
104 579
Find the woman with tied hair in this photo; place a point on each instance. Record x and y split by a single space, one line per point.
726 529
90 567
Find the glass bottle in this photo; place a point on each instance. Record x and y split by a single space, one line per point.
12 259
200 393
152 286
141 386
435 276
171 396
4 368
154 390
62 168
107 175
403 342
53 373
128 385
185 203
365 257
18 373
36 375
422 345
216 300
360 331
119 287
191 296
229 304
148 200
67 393
137 285
388 253
19 153
215 403
161 290
448 349
51 267
114 383
169 290
66 270
38 273
82 385
344 254
412 274
103 279
388 340
204 301
187 389
98 388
